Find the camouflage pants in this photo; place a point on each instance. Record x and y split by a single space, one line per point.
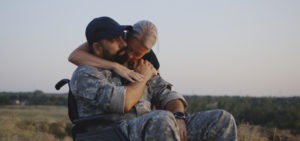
214 125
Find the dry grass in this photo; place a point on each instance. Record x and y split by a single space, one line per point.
33 123
248 132
50 123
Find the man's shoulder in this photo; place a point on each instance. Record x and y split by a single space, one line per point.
157 79
85 75
91 70
85 68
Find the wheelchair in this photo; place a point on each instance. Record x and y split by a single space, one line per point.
79 124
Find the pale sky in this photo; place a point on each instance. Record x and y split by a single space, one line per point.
213 47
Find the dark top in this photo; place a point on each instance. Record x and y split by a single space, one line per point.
151 57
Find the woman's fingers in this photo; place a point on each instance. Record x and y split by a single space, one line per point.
129 79
135 76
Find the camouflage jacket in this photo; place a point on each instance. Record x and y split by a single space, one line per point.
100 92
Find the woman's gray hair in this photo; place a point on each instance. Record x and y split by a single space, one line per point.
146 32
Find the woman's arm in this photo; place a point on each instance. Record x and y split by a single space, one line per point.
81 56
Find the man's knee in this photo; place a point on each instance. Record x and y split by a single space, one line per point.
225 122
218 117
224 115
162 126
218 124
164 113
164 116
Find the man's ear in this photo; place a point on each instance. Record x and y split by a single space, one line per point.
97 49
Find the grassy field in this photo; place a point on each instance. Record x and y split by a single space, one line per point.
34 123
50 123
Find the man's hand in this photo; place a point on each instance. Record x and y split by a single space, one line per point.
182 129
126 73
145 68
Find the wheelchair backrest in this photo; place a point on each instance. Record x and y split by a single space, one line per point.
72 106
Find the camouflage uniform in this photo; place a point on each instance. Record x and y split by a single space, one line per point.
100 92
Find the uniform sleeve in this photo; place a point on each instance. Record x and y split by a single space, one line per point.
93 87
162 92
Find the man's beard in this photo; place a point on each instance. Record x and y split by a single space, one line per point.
107 55
121 56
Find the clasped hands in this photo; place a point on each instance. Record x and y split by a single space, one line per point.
145 68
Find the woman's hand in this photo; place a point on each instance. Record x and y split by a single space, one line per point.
126 73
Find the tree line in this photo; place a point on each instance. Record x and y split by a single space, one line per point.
271 112
32 98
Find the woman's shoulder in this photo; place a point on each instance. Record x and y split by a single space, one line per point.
151 57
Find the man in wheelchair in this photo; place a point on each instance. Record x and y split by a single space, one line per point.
106 108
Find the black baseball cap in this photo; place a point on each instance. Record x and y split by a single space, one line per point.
104 28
